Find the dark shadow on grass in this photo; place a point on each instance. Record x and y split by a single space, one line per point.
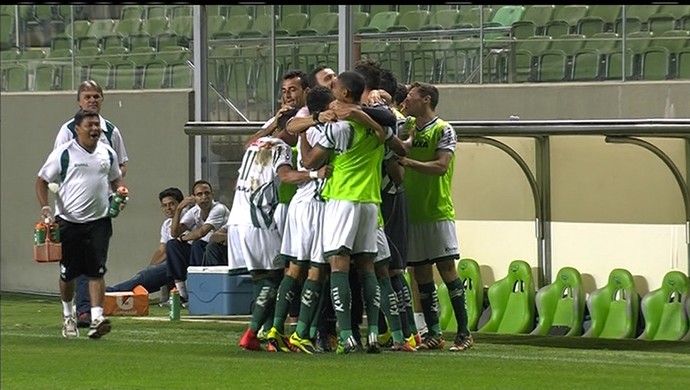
584 342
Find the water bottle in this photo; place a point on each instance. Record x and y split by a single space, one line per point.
119 198
174 304
54 229
40 233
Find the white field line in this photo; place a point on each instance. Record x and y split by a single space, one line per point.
648 359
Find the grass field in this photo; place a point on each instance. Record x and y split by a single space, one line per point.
155 353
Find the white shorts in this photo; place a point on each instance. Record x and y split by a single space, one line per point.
384 251
280 216
302 239
431 241
253 248
349 227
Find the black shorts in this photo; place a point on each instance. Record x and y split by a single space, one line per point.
84 248
394 210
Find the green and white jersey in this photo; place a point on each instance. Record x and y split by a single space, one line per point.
388 186
217 217
428 196
84 180
111 136
256 192
356 158
311 189
287 191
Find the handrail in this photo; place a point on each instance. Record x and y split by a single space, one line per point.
613 131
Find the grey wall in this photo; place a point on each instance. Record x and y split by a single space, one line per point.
591 181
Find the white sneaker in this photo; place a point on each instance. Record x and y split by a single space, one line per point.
69 327
99 327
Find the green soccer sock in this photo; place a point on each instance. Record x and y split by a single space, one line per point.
286 294
341 299
407 301
264 303
309 306
457 300
389 307
428 297
372 301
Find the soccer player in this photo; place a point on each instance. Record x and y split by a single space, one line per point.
253 237
86 171
90 96
355 148
302 245
432 237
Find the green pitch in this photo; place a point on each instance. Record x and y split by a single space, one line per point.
155 353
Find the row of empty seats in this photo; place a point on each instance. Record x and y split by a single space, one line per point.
514 305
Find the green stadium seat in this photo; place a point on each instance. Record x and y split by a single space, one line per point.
683 59
154 74
380 22
261 27
322 24
527 53
180 33
7 32
155 11
561 305
360 20
565 20
15 78
10 55
232 27
290 24
637 17
184 10
506 15
470 17
589 61
411 21
512 301
533 20
600 18
443 19
311 54
614 308
668 17
125 74
458 63
471 277
181 75
101 71
663 309
555 64
132 11
240 9
44 77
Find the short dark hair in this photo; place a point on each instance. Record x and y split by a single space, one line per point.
284 117
353 82
429 90
371 70
388 82
400 93
311 77
199 182
319 98
294 73
82 114
172 192
88 84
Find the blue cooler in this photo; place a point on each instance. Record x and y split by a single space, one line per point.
213 290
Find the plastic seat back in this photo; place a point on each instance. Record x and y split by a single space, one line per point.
512 301
664 309
561 305
614 308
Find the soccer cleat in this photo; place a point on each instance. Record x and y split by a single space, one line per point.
99 327
277 342
326 342
249 341
304 345
262 335
414 340
405 347
462 342
432 342
373 343
349 346
386 339
84 320
69 327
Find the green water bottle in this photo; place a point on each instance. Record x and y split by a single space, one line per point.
174 305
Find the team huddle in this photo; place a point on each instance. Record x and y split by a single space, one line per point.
342 191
